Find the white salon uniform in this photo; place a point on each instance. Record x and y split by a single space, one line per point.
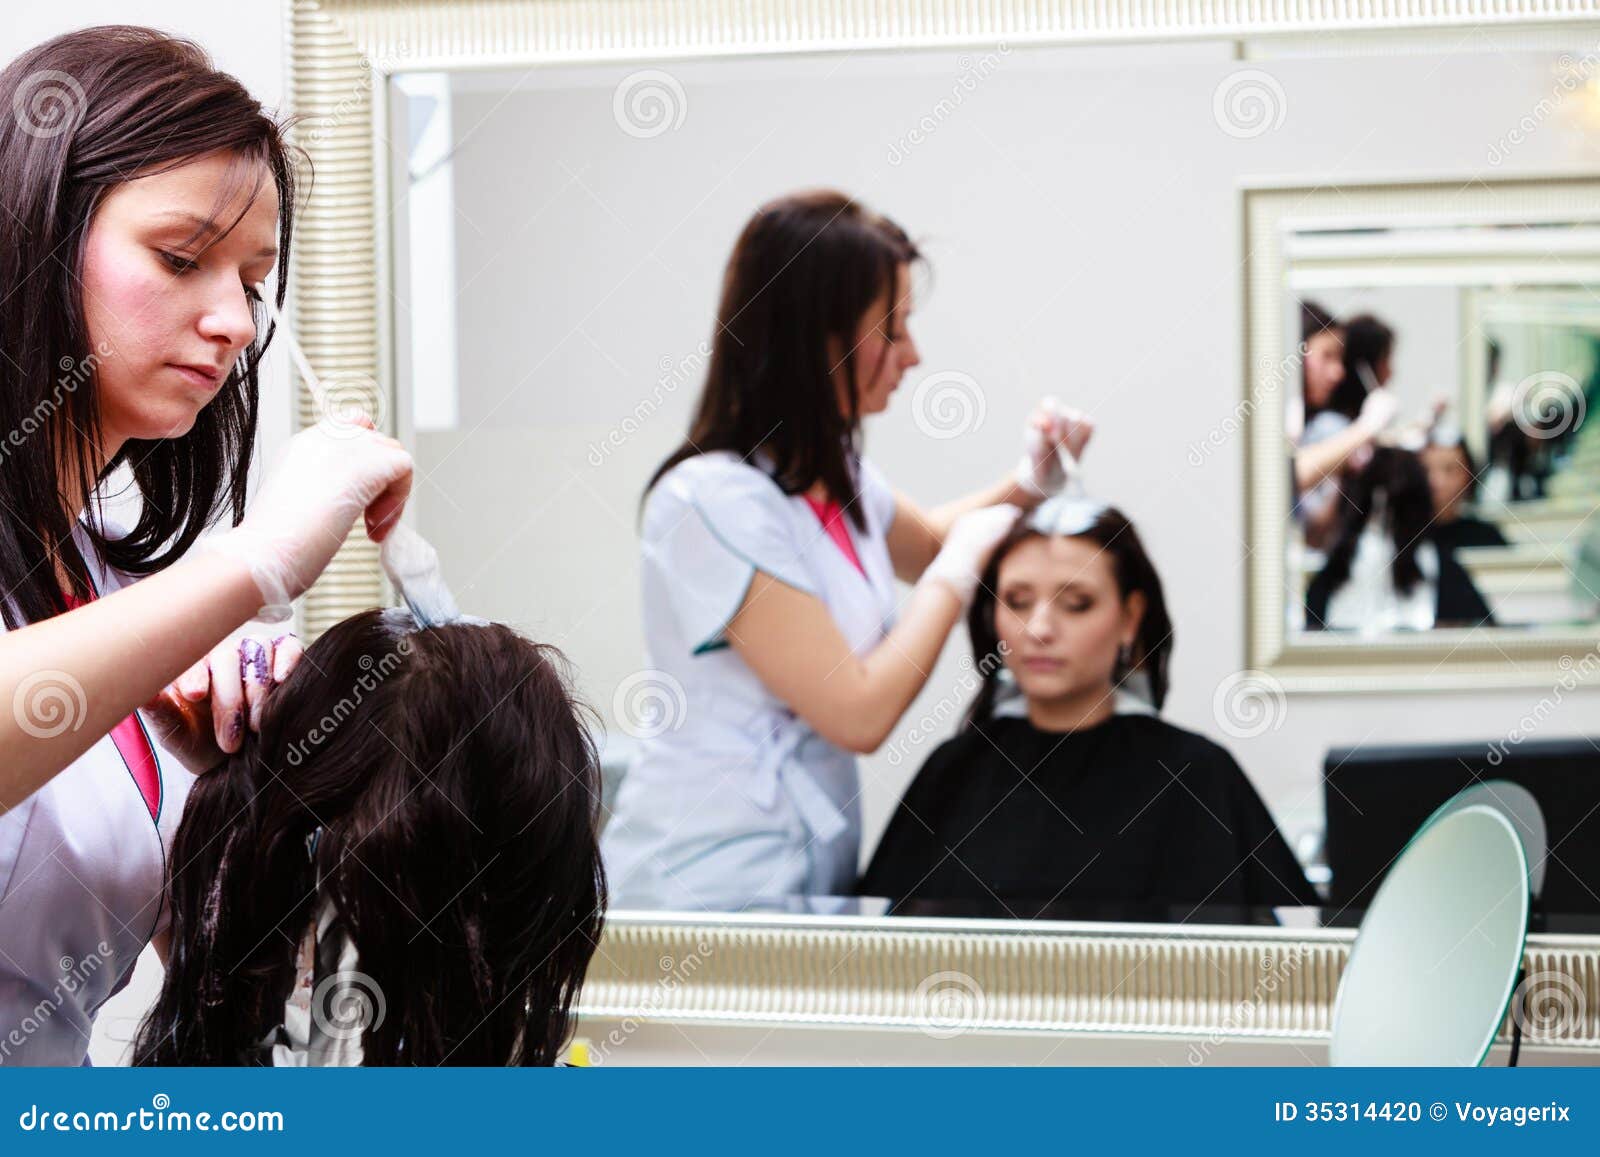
737 798
82 864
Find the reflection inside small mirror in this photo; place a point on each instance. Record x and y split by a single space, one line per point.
1442 455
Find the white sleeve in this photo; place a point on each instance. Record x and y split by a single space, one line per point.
877 496
709 526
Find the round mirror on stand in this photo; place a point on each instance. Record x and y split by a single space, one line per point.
1437 956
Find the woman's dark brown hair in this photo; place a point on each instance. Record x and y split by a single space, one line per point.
455 792
1130 565
802 275
83 113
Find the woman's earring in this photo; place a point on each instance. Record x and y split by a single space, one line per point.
1125 655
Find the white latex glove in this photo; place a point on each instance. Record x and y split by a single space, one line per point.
1040 472
967 547
1378 410
323 479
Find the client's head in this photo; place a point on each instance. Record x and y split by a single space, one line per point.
1073 615
1391 493
452 792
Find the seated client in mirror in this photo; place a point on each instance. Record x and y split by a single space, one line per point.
401 867
1064 785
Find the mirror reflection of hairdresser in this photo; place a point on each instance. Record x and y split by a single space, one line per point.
770 550
1065 786
141 203
1342 413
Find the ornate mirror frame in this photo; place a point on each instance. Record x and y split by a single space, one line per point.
768 972
1434 660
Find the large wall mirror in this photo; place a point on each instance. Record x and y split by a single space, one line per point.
516 246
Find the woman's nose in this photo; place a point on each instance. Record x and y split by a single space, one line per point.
1041 624
229 317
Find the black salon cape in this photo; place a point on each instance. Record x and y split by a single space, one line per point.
1133 810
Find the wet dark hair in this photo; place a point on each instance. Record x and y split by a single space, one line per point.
1133 570
457 793
84 113
1399 476
802 275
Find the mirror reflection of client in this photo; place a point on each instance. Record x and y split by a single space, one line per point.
1383 572
1453 481
411 837
1065 794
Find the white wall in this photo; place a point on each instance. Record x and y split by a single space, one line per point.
1082 214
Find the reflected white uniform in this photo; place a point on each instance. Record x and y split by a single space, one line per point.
736 796
81 872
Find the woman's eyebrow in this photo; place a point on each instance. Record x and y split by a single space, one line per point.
204 227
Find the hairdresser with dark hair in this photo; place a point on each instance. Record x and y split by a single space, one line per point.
1344 409
771 549
144 194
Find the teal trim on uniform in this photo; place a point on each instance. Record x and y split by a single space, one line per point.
714 642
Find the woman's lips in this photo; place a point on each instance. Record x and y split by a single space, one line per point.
1041 664
205 379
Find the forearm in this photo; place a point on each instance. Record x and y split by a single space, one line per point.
939 519
71 678
892 675
1316 462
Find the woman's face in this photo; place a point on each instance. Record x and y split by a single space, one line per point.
1324 367
1448 479
156 302
1061 618
884 349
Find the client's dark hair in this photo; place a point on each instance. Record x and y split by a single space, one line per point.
1114 534
457 792
1399 476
